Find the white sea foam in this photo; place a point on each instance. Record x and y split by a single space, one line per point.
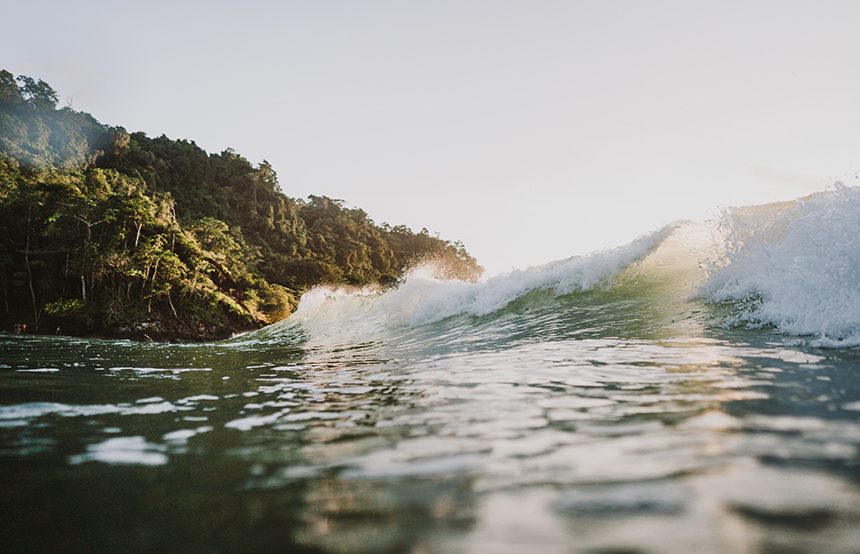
246 423
123 450
21 414
174 371
181 436
795 266
427 300
422 298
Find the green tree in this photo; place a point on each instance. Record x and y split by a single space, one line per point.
106 231
40 94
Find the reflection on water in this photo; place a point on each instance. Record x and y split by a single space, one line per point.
705 441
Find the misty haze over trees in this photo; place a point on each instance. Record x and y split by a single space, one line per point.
106 232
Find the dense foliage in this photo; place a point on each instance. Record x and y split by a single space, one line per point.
107 232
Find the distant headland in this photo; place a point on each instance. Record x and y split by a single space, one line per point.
116 234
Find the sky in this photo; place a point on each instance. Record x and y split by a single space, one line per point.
530 131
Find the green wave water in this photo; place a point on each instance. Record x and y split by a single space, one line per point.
693 391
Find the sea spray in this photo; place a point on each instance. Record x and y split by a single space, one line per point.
794 266
337 316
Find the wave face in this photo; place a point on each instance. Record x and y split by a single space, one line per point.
792 266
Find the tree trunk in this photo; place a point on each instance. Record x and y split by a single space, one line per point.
194 282
30 272
154 273
65 275
169 301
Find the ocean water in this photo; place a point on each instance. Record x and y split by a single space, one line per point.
697 390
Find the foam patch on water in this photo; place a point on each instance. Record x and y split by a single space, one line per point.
20 414
173 371
123 450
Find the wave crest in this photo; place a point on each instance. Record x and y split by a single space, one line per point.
423 298
792 265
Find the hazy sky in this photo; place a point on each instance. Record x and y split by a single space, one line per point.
530 130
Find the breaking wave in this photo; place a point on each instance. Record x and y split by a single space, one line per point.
793 267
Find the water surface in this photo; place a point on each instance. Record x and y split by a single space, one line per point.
599 404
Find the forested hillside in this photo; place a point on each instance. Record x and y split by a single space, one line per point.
118 234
